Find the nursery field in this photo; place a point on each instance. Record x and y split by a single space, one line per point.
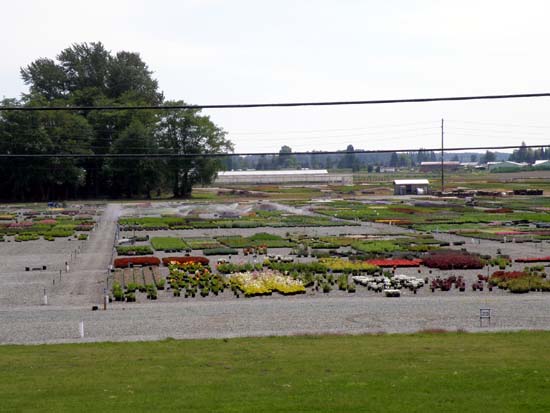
322 266
451 372
392 247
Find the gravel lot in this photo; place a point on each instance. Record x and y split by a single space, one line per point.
24 320
273 316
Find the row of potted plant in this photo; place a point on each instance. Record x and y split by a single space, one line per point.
131 261
395 262
452 259
184 260
533 259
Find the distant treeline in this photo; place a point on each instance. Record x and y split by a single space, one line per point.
348 159
530 155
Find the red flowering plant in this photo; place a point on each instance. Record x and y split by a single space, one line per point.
48 221
533 259
125 262
22 224
395 262
452 259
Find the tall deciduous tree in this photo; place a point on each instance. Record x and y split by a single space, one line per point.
189 133
89 75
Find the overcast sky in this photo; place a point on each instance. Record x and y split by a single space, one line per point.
212 52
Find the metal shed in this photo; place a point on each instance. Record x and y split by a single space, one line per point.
410 186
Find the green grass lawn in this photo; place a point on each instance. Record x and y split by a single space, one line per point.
391 373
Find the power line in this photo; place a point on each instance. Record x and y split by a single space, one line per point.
222 155
299 131
275 105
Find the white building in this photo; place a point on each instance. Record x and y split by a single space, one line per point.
298 176
410 186
504 164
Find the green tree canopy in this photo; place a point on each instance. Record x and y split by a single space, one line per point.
87 74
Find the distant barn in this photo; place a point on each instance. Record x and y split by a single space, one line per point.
411 186
296 176
436 166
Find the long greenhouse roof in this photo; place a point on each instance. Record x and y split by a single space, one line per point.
278 172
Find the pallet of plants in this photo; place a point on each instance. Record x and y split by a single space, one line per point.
194 278
148 282
265 282
118 277
127 277
159 280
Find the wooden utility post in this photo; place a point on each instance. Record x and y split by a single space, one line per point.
442 165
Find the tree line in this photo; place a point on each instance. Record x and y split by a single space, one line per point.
530 155
88 75
349 159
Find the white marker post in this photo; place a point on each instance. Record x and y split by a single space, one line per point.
81 329
45 298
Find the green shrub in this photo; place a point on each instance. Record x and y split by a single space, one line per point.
343 282
161 283
228 268
60 232
118 294
519 286
151 292
26 237
134 250
131 287
220 251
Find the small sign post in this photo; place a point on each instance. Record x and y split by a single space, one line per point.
484 314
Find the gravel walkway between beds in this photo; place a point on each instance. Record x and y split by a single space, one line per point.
271 316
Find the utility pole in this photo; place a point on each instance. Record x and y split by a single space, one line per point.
442 165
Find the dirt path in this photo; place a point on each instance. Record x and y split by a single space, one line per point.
84 283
